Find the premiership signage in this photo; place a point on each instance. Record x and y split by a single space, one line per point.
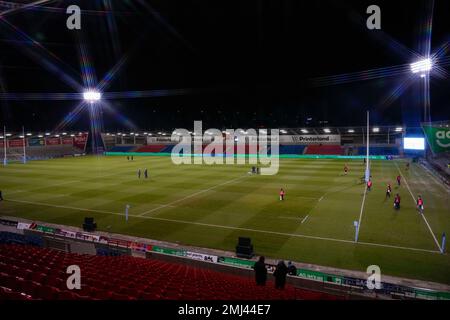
438 138
311 139
159 140
333 139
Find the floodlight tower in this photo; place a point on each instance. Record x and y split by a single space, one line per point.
93 97
423 68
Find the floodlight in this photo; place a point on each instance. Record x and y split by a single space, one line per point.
422 66
304 131
351 131
399 129
376 129
326 130
92 96
28 134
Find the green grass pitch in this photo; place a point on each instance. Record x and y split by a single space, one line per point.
210 206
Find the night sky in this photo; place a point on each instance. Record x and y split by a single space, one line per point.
240 63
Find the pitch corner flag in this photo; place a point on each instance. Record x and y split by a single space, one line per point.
443 243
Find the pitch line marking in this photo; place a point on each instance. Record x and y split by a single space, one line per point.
304 219
308 198
415 201
190 196
229 227
290 218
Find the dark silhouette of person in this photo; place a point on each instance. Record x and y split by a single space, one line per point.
1 195
260 272
280 275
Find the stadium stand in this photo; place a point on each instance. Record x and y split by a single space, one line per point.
14 238
151 148
108 252
28 272
40 153
292 149
441 164
122 148
380 151
284 149
168 148
325 150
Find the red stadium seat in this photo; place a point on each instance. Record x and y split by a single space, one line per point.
37 273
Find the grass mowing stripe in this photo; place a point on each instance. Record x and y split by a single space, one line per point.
414 199
61 206
229 227
190 196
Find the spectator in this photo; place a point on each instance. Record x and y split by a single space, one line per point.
280 275
1 196
260 272
292 270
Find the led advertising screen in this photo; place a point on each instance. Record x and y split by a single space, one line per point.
414 143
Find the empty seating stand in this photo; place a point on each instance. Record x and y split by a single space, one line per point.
151 148
14 238
28 272
122 149
291 149
379 151
325 150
